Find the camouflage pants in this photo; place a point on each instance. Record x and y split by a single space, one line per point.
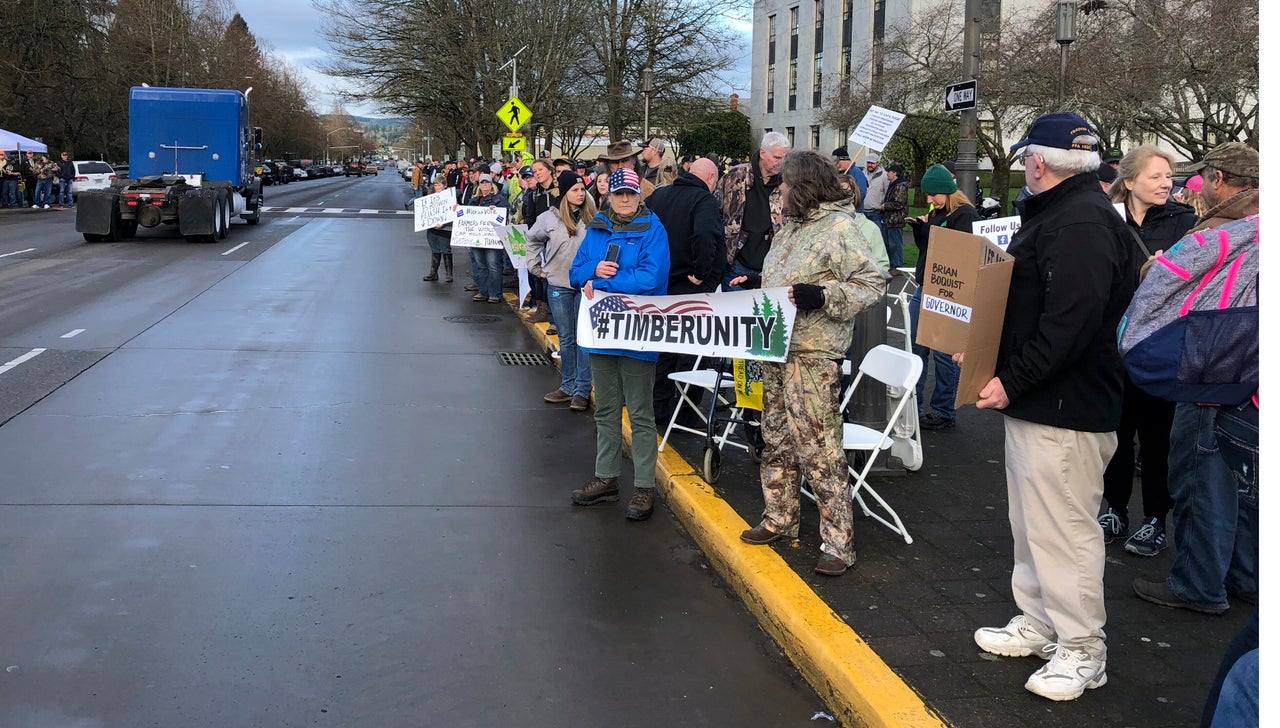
802 434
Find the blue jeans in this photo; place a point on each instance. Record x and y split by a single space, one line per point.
1215 517
733 270
489 271
1238 702
893 244
9 193
946 373
44 192
64 192
575 364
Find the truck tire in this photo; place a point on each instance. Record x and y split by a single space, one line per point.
224 216
254 213
128 228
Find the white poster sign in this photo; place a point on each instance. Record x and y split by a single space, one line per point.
876 128
999 231
516 243
434 209
479 227
738 324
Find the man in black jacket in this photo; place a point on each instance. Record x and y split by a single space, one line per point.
1059 382
695 234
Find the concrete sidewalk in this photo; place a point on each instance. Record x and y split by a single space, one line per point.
890 642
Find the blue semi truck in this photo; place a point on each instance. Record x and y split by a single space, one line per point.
190 164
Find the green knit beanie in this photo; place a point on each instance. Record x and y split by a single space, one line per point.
937 181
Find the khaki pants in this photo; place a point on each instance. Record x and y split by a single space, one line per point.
1054 477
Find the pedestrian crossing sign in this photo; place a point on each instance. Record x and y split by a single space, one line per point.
514 114
513 143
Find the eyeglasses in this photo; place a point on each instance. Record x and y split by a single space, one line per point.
1025 156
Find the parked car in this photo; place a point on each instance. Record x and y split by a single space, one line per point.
298 173
92 175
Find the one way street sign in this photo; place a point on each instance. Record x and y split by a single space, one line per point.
961 96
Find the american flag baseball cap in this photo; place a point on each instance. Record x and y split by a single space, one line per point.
624 179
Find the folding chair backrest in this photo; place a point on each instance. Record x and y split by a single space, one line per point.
892 366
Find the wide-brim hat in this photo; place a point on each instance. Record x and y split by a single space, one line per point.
619 151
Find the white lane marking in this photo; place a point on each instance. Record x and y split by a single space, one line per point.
241 245
15 362
335 209
17 252
296 209
72 333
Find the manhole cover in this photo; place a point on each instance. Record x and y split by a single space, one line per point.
522 359
473 318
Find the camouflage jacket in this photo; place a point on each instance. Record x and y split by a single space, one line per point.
827 250
731 193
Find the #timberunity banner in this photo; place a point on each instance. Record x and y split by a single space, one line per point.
738 324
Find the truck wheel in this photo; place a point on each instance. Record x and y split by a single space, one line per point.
224 217
128 228
91 238
117 231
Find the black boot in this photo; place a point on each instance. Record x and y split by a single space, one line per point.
435 266
448 267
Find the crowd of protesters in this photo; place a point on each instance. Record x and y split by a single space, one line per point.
1077 428
28 179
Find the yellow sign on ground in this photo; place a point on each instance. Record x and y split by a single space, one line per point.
748 376
512 143
514 114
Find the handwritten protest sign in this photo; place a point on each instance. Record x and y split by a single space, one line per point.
434 209
516 243
740 324
479 227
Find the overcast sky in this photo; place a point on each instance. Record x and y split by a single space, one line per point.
292 29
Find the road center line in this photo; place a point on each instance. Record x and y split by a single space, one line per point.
241 245
17 252
15 362
72 333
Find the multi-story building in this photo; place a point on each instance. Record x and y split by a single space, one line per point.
797 45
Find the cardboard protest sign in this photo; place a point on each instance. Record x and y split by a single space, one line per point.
876 128
740 324
999 231
434 209
479 227
963 296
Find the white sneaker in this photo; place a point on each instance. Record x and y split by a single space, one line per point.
1068 675
46 207
34 207
1016 639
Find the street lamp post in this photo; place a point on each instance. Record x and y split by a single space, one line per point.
646 87
327 148
1066 35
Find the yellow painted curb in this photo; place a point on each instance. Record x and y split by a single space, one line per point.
855 683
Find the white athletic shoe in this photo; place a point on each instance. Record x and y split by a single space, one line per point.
1016 639
1068 675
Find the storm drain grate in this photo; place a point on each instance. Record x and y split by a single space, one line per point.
473 318
523 359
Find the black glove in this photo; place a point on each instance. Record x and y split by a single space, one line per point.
808 296
751 283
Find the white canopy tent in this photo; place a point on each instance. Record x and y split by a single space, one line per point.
10 142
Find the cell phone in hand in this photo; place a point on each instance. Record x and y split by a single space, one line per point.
612 254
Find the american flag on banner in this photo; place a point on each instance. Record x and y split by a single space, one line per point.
624 303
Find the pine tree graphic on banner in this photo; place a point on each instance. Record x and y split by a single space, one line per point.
777 343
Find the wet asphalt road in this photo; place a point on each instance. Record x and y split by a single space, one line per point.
271 484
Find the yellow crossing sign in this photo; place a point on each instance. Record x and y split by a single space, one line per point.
513 142
514 114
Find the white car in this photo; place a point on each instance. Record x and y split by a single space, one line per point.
92 175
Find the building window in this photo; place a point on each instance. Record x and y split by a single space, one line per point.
795 22
768 90
817 80
791 135
817 24
773 39
846 39
815 137
791 85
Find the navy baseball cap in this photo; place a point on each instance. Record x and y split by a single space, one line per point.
1060 131
526 171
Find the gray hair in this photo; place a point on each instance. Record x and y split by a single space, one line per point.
1067 162
775 139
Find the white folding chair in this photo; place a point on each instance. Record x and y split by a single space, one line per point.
887 366
711 381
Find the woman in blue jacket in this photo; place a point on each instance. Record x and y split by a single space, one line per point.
623 378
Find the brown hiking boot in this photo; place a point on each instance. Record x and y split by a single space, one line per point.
557 397
760 536
539 315
597 490
829 565
578 403
640 507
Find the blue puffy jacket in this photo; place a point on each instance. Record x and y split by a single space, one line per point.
643 263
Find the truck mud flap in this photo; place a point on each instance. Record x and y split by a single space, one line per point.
197 212
94 210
